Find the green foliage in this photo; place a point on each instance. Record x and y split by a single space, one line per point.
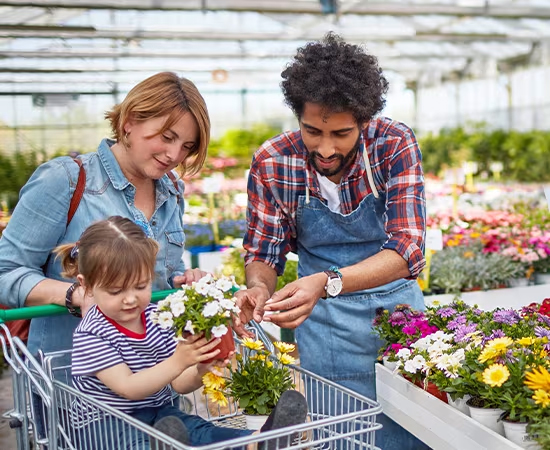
525 155
15 170
539 431
258 382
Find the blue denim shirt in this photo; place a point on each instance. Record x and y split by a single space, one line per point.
38 225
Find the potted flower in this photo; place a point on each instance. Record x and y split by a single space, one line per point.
204 307
256 381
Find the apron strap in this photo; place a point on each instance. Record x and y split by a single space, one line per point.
369 174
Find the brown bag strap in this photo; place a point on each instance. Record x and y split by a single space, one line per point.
78 192
175 183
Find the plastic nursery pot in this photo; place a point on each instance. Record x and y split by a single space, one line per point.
226 346
430 388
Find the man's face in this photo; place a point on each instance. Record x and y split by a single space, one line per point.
331 139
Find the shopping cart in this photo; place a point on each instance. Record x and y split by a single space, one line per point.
338 418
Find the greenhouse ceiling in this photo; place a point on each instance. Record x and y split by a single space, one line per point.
107 45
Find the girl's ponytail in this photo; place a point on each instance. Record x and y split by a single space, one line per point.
68 253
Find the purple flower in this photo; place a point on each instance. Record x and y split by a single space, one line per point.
409 329
463 330
397 318
542 332
456 322
507 316
446 312
494 335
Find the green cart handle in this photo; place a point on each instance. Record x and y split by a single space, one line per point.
30 312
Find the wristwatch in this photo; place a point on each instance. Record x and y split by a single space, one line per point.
334 282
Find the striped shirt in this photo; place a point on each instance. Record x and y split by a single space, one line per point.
99 344
278 177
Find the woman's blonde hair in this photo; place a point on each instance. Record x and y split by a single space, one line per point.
165 94
111 252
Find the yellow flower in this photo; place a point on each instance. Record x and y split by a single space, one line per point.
286 359
495 348
469 254
496 375
217 397
252 344
213 381
542 398
283 347
538 379
526 341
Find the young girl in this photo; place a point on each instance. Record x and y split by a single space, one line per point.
124 360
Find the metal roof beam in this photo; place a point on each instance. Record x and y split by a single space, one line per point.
291 6
86 32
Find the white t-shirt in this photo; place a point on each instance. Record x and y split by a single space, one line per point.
330 191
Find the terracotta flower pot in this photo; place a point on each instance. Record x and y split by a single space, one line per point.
430 389
226 346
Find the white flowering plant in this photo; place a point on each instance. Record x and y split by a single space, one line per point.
204 307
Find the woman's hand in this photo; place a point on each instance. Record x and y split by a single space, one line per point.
188 277
82 300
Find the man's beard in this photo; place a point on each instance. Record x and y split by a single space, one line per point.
344 161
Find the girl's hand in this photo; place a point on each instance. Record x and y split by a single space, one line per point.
215 367
195 349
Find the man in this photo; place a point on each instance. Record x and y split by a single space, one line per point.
346 193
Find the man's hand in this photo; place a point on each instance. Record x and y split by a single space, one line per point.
251 303
188 277
296 300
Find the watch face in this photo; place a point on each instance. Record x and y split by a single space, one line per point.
334 287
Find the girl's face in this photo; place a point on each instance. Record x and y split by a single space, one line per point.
150 156
124 306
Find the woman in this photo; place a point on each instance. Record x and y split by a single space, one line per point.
161 125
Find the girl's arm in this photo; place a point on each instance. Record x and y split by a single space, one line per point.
137 386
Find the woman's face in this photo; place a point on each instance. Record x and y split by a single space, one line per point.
152 155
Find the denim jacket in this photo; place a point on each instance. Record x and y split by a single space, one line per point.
38 225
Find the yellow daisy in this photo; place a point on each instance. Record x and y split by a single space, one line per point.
284 347
217 397
213 381
542 398
526 341
495 348
496 375
252 344
286 358
538 379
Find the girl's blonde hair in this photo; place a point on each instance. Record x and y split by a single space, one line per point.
111 252
165 94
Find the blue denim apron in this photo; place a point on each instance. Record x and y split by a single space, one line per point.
336 341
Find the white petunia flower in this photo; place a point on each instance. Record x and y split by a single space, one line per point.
165 319
211 309
189 327
178 309
227 304
224 284
214 292
403 353
219 331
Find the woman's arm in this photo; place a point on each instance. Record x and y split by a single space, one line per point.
37 224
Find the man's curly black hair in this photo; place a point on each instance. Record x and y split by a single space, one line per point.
339 76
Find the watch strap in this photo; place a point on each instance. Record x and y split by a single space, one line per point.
69 300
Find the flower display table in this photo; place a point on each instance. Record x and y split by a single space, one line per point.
514 297
434 422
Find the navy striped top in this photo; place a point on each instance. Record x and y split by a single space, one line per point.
100 343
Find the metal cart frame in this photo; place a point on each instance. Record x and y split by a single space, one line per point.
338 417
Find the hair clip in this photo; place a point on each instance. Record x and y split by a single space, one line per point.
74 251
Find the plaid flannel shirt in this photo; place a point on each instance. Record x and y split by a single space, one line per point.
278 177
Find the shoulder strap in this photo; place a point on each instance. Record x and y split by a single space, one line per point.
78 192
175 183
